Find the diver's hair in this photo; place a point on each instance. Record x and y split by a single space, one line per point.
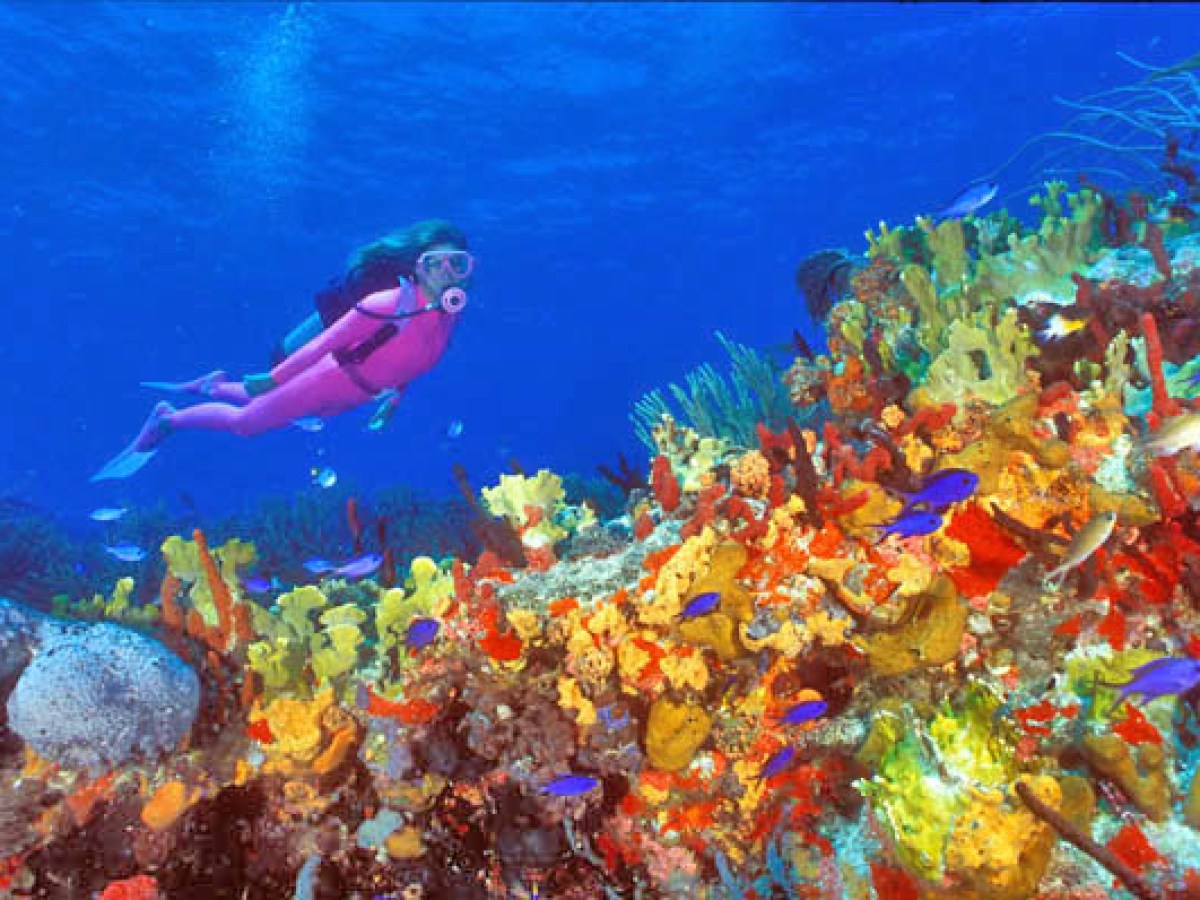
401 248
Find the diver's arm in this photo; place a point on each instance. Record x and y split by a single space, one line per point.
345 332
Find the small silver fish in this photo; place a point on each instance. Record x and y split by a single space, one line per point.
360 567
311 424
970 200
455 429
1175 434
1090 538
130 553
324 478
107 513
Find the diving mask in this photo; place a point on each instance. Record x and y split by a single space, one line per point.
453 265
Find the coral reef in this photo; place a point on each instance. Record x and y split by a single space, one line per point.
928 638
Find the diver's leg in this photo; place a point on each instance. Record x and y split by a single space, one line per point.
322 390
215 385
202 386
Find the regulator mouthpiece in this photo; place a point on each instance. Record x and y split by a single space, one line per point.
454 300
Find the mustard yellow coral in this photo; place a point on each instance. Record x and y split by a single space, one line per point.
570 696
295 726
676 577
685 671
674 732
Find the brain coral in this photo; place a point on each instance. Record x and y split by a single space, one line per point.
94 696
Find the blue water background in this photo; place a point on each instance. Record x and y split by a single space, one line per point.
178 180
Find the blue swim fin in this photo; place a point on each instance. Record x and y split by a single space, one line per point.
124 464
143 448
201 386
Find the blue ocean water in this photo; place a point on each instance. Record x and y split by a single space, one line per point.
179 180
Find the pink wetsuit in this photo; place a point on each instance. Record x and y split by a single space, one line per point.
312 382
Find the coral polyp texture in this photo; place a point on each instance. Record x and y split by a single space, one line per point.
935 633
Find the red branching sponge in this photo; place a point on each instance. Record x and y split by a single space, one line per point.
222 598
643 527
931 418
706 511
1163 404
1153 241
777 448
664 484
754 528
1171 503
355 523
172 613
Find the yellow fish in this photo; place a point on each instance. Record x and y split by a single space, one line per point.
1059 326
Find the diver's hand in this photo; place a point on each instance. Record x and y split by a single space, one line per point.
258 384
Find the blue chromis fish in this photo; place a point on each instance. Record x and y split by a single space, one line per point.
777 762
700 605
571 785
804 711
324 478
942 490
130 553
912 524
421 633
1160 678
360 567
259 584
319 566
610 718
311 424
107 513
970 200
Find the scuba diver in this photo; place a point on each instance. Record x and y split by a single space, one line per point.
386 322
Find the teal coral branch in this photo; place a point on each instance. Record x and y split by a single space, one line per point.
717 407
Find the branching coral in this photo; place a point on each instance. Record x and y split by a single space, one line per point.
726 411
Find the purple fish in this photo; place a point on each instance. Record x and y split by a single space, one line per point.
361 567
701 605
912 524
778 762
421 633
571 785
803 712
1160 678
257 584
970 200
611 720
318 566
942 490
